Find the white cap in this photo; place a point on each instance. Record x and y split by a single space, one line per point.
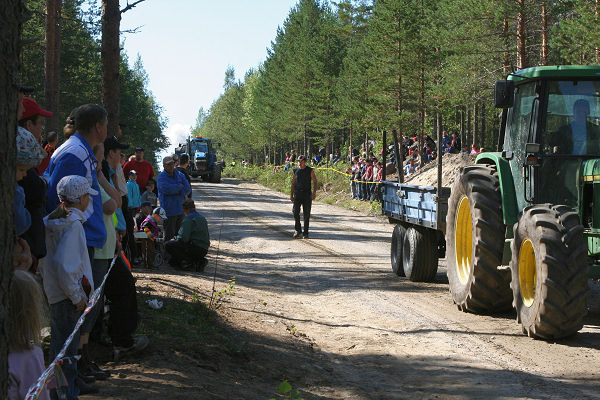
70 188
160 211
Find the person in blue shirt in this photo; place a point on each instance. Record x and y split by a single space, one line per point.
172 189
76 157
134 198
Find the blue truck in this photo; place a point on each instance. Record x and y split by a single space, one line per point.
203 159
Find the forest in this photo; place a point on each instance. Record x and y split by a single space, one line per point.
79 77
337 73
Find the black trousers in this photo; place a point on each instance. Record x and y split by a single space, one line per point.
180 251
120 291
129 241
303 199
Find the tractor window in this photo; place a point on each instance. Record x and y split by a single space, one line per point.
517 132
519 119
199 147
572 118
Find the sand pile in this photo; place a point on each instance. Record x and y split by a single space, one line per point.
427 176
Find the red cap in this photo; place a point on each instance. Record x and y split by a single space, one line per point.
32 108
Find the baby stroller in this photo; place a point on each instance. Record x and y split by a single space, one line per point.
153 248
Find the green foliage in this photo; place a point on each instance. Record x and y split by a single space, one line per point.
81 72
334 74
285 389
219 296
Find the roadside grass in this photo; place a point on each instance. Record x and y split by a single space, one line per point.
185 325
333 184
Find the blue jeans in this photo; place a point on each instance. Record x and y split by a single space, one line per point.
63 317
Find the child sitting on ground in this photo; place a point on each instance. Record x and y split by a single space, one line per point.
66 270
149 194
150 226
25 358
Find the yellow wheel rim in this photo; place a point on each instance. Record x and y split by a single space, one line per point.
463 240
527 272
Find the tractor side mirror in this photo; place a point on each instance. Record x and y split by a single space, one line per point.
532 148
504 94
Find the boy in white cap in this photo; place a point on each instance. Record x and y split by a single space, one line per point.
66 270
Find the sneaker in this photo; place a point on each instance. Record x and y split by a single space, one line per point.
201 265
85 376
305 236
297 235
85 388
139 344
91 369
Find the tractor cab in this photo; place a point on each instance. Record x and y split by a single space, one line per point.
551 139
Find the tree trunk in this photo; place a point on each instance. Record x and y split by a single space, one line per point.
544 55
52 62
482 125
111 21
521 50
475 123
400 132
467 126
10 49
506 63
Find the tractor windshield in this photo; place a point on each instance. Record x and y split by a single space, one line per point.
573 118
199 147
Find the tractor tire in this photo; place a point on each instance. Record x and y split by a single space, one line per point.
397 245
549 269
216 175
475 242
419 254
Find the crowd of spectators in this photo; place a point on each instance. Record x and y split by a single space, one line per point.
77 208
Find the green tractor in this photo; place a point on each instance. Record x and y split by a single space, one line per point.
522 227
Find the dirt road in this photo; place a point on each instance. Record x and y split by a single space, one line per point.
328 315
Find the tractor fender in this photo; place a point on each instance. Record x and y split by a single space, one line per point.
507 185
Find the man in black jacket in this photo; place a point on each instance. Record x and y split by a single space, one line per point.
301 195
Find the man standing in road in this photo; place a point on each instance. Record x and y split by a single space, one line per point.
172 189
142 167
301 194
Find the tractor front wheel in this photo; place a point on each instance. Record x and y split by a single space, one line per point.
475 242
549 271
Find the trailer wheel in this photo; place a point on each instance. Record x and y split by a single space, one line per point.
419 254
397 244
475 242
549 271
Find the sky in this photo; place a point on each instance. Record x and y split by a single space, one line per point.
186 45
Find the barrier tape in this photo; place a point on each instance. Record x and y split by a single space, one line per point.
280 167
35 390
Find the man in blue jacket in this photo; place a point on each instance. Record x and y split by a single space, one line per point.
76 157
172 189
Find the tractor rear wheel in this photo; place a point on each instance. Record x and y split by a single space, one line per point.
475 242
397 244
216 175
419 254
549 271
